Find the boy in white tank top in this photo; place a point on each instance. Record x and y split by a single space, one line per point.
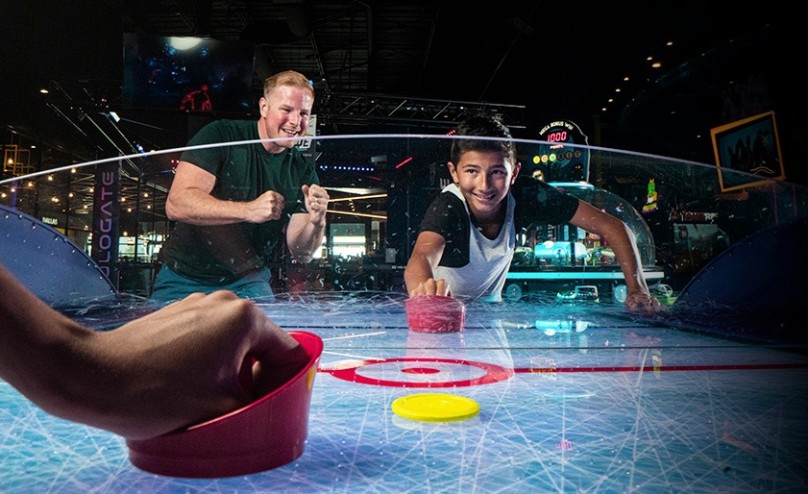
467 237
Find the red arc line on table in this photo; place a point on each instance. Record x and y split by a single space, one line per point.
495 373
666 368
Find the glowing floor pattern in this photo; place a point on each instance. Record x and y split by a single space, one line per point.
572 400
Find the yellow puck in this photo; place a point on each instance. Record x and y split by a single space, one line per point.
435 407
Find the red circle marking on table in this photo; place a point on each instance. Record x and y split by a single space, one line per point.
493 373
420 370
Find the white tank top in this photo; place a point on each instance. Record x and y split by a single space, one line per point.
489 259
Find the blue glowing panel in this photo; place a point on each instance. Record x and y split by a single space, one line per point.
48 263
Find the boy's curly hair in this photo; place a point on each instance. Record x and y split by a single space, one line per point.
483 126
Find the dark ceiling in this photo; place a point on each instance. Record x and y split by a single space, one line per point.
407 66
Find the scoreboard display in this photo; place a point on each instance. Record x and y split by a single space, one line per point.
564 157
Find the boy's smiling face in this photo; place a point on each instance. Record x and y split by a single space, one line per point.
484 178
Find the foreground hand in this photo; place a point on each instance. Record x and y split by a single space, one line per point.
643 304
431 287
186 363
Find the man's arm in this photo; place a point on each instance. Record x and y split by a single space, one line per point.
621 239
190 201
304 233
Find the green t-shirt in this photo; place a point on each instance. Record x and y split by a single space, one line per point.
219 255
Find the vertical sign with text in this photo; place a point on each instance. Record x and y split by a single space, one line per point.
106 210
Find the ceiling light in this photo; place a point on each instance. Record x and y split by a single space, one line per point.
184 43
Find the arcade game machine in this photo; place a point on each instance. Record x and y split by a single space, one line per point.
554 260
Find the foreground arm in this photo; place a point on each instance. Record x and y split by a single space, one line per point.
418 275
190 201
304 233
174 367
620 238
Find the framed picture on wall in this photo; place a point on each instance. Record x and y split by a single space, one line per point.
747 152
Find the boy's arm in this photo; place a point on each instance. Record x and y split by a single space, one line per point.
621 239
418 274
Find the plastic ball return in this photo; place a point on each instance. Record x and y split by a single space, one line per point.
268 433
435 314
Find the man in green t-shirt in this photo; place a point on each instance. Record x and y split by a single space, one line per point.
232 202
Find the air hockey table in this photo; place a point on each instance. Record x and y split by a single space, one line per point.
573 398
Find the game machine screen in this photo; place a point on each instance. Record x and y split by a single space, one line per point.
187 73
560 160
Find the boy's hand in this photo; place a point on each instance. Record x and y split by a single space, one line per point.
431 287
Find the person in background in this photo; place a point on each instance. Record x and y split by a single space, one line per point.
183 364
232 203
197 100
467 238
